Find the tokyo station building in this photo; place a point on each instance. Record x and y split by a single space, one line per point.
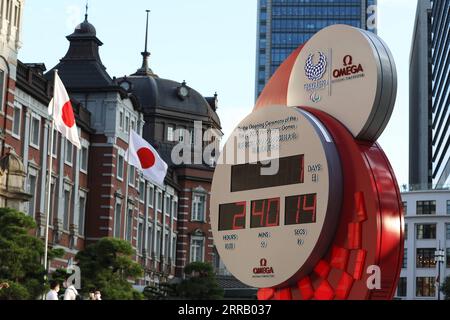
168 225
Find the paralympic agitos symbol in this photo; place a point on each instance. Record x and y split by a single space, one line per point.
315 234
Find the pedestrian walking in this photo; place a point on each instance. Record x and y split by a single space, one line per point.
54 289
71 292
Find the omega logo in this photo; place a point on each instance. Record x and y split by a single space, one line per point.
263 268
348 60
263 263
348 69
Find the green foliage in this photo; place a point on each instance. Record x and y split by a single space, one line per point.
20 255
163 291
200 284
59 275
107 266
14 292
446 288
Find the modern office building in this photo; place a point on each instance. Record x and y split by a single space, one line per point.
283 25
420 103
440 46
427 228
429 96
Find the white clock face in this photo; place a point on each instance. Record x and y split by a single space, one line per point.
341 67
184 92
267 227
125 85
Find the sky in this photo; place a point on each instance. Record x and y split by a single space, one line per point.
209 43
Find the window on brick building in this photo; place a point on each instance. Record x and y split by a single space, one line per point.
121 120
198 207
158 200
142 191
17 117
69 152
166 245
117 220
140 238
175 208
32 179
174 249
120 165
197 249
130 225
55 143
35 132
81 217
84 159
151 194
149 240
127 123
167 205
66 210
131 175
158 244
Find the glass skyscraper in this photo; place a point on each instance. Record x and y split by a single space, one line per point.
429 154
440 75
285 24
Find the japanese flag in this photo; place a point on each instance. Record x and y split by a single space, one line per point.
61 109
144 157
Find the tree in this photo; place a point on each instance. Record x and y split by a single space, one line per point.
20 257
107 266
446 288
161 291
200 284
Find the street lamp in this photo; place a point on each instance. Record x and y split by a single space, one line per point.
439 257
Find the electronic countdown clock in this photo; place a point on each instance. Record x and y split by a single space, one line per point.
304 202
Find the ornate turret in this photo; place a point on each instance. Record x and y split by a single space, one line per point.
12 182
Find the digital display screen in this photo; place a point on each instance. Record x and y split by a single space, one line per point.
265 213
248 176
232 216
301 209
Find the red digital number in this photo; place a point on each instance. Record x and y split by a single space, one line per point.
303 208
240 215
259 213
277 216
265 213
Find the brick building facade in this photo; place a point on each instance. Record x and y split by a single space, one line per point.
95 193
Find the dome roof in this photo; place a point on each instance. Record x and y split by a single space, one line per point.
154 92
85 29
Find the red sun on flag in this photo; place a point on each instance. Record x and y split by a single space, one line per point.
146 157
67 115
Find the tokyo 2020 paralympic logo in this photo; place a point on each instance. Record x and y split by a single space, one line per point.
315 72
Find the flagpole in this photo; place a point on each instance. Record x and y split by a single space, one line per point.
49 180
126 191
